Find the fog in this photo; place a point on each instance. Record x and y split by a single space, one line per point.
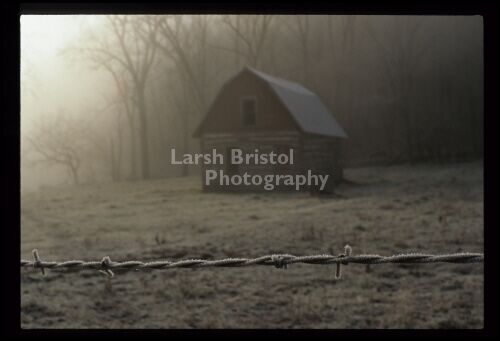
105 98
52 85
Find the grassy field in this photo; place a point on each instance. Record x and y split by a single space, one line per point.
387 210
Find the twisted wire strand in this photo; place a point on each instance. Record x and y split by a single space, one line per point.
278 260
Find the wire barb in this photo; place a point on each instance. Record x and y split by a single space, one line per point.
38 262
347 253
281 261
105 263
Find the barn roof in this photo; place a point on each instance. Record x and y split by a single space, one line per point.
305 106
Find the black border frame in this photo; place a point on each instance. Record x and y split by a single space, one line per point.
11 149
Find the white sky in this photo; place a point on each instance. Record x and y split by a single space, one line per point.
49 81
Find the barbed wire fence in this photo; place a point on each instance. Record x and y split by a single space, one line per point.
106 266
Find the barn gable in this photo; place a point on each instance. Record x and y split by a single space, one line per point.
224 115
308 113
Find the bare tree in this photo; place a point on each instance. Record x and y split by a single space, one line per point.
340 39
250 33
131 50
111 145
60 140
184 44
124 106
401 53
300 26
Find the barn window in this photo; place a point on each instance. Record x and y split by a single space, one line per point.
248 109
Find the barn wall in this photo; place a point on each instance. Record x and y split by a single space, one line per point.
248 142
323 157
318 153
224 115
275 128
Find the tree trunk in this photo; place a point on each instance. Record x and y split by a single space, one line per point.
410 140
133 150
112 160
185 137
74 174
115 162
143 129
119 157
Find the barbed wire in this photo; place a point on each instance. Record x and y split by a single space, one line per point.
278 260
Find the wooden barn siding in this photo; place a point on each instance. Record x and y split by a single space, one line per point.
248 143
323 157
274 127
318 153
224 115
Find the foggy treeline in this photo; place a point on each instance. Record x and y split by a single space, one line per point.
404 88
